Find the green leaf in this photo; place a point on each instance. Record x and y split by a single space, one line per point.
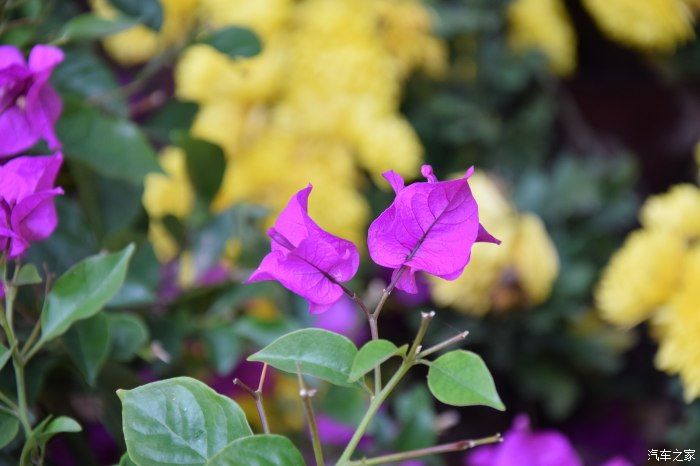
128 335
321 353
173 117
5 355
126 461
234 41
149 12
259 450
9 425
28 275
82 291
85 75
58 425
262 332
179 421
141 283
88 345
414 408
224 347
205 166
90 26
372 354
460 378
113 147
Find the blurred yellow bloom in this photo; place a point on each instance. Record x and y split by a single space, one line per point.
168 193
139 43
679 347
650 25
518 272
320 104
640 277
544 25
677 211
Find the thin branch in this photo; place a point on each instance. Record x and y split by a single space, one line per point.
306 395
6 399
387 291
258 397
461 445
425 318
451 341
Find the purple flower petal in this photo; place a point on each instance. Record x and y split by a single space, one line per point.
307 259
431 227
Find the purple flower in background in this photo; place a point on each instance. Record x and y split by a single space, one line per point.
343 318
523 446
306 259
334 432
29 105
27 211
431 227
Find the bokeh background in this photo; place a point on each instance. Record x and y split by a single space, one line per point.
580 116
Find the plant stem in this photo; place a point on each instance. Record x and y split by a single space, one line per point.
444 448
17 360
10 404
306 395
372 410
32 338
444 344
258 397
425 318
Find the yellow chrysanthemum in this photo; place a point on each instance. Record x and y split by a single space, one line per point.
526 259
677 211
679 347
651 25
535 259
640 276
139 43
544 25
320 104
168 193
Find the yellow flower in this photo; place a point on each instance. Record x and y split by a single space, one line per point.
521 270
677 211
650 25
168 193
640 276
535 259
679 347
139 43
544 25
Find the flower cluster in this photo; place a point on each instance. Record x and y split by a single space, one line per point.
320 102
430 227
655 276
520 272
651 26
29 108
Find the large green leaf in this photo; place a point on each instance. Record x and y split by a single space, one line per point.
179 421
9 425
90 26
205 166
128 334
460 378
126 461
372 354
82 291
88 345
113 147
234 41
259 450
320 353
149 12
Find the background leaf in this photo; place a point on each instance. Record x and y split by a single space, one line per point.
82 291
149 12
90 26
128 334
9 426
234 41
88 343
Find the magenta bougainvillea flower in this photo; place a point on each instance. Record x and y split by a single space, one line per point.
430 227
29 105
27 192
523 446
306 259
